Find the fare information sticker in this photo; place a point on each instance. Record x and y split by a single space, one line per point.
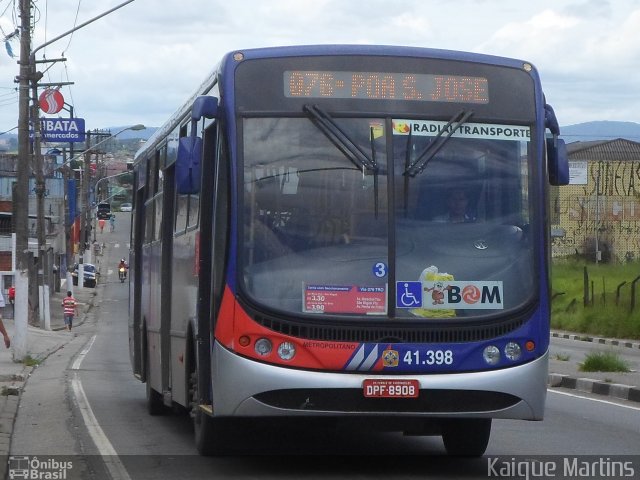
344 299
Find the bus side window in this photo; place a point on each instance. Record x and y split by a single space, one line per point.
194 210
182 211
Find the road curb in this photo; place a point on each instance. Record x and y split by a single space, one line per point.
9 403
597 340
598 387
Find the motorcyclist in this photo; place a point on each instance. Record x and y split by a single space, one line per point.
123 264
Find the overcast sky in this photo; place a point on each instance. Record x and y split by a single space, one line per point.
139 63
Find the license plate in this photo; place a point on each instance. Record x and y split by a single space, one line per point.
390 388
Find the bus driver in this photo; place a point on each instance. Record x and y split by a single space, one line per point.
457 202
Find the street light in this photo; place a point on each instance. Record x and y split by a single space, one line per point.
84 192
138 126
109 178
27 77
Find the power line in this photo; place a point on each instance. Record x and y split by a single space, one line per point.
9 4
75 22
10 130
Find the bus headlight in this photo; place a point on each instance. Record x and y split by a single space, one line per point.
263 347
512 351
491 354
286 350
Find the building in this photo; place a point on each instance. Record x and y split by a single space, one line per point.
597 215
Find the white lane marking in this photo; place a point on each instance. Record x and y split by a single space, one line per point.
109 454
607 402
82 354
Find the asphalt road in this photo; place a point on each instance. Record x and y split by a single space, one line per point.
84 402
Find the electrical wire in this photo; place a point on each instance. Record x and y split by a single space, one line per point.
9 3
75 22
66 69
10 130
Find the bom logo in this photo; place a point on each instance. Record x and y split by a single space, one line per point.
474 295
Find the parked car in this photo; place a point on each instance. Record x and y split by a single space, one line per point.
126 207
90 275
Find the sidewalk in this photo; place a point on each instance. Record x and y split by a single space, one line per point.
40 344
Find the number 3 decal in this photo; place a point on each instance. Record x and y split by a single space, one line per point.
380 269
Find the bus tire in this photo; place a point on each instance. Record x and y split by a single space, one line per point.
466 437
155 405
209 433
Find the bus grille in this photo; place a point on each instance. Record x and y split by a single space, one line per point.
406 333
352 400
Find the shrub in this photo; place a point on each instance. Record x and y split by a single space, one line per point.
603 362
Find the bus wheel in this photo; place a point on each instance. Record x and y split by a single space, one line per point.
467 437
155 405
209 433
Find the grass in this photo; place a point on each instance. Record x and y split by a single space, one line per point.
6 391
603 362
29 361
608 312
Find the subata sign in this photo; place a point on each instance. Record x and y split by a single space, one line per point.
62 129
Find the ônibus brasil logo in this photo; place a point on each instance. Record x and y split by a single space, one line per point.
22 466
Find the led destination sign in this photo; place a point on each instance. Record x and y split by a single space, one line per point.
386 86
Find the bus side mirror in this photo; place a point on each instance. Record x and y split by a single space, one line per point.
188 165
189 160
558 161
557 158
204 106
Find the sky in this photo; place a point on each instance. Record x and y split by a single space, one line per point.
140 62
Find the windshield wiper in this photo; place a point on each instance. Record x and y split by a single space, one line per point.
375 172
343 142
439 141
340 139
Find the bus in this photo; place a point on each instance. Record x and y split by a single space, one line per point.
291 256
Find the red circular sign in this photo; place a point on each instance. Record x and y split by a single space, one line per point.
51 101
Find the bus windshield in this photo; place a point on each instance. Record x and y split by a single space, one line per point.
439 230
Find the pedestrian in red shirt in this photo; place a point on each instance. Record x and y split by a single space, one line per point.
70 307
12 298
3 331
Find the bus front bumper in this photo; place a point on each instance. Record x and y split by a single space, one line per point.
246 388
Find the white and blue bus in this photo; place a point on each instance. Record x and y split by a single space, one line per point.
348 233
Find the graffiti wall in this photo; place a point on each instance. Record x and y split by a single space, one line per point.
600 211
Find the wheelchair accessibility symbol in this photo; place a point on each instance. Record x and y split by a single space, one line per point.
408 294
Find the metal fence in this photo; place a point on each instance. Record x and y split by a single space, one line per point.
595 226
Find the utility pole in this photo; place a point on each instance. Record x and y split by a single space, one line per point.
40 187
67 225
21 191
28 74
85 209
